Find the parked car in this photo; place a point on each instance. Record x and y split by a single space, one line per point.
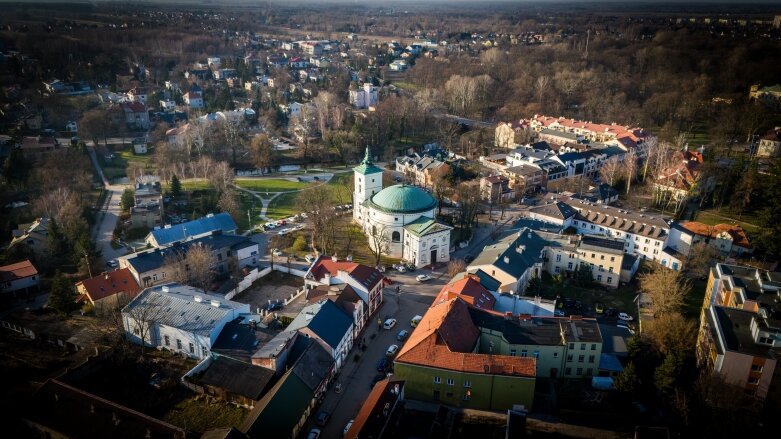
559 313
610 312
310 258
403 334
313 433
422 277
112 263
392 349
415 320
276 252
269 225
625 317
400 268
322 418
274 305
377 378
469 258
382 365
283 232
389 324
347 427
599 308
410 267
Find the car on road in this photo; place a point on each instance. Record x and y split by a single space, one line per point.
347 427
112 263
389 324
611 312
310 258
276 252
313 433
410 267
469 258
269 225
415 320
283 232
392 349
599 308
322 418
625 317
403 334
382 365
422 277
400 268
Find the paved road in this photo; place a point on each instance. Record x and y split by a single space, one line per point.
109 214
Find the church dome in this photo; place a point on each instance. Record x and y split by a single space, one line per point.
402 199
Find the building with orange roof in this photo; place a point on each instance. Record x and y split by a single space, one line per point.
108 290
377 410
468 289
682 180
21 276
728 239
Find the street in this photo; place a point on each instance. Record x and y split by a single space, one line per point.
109 214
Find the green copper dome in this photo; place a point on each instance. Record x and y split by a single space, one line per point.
402 199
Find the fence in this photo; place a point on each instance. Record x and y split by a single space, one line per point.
187 379
256 274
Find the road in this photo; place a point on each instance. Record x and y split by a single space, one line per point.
109 214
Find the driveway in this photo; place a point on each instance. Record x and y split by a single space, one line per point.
109 214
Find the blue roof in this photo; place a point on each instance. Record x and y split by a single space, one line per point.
179 232
331 323
152 260
487 281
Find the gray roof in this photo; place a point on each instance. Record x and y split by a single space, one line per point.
153 259
734 326
179 232
237 377
555 209
563 134
607 245
543 331
652 226
240 341
326 320
183 307
513 253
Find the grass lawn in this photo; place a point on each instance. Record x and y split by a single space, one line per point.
406 85
251 204
748 221
339 189
190 185
271 185
201 413
122 158
282 206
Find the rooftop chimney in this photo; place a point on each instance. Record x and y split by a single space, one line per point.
215 303
334 258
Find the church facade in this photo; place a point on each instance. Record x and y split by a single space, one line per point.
399 218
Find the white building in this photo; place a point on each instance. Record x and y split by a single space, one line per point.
399 218
180 318
364 97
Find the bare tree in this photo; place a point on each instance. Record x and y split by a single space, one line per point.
141 317
322 217
700 257
671 332
221 177
666 288
262 152
200 262
379 241
229 203
455 266
541 87
629 168
609 170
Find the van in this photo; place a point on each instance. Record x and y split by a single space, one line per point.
415 320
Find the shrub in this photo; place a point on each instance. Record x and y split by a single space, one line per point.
299 244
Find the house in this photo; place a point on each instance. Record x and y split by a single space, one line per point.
167 105
224 74
37 148
422 170
399 65
496 189
727 239
137 94
445 362
350 278
179 318
71 127
770 143
378 410
35 236
19 277
525 178
108 290
133 114
513 259
364 97
297 62
468 288
681 181
240 339
284 409
60 410
139 146
194 97
508 135
147 210
328 324
312 48
230 253
171 234
236 382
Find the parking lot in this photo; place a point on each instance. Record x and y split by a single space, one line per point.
274 287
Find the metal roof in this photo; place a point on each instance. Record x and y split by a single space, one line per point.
180 232
402 198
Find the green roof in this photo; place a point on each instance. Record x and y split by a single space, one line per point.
366 166
425 226
402 198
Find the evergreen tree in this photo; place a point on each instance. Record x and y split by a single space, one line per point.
128 200
63 295
628 380
583 275
176 187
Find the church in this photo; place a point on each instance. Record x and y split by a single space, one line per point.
402 214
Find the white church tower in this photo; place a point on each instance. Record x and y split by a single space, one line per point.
368 181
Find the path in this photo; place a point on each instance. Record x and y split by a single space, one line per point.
265 202
103 231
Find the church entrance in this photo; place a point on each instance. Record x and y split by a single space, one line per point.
433 257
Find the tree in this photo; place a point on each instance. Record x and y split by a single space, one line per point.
94 125
629 166
142 316
176 186
379 242
455 266
667 377
699 259
628 381
323 219
535 286
200 262
610 170
672 333
666 289
441 186
63 295
299 244
221 176
128 199
261 151
229 203
583 275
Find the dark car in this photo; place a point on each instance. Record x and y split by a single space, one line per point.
469 258
274 306
611 312
403 334
322 418
382 365
569 303
377 378
411 267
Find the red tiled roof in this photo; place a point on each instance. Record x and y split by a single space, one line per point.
135 107
367 276
773 135
736 232
445 339
369 420
16 271
108 284
469 290
627 136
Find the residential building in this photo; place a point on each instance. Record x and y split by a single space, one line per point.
512 259
364 97
231 252
171 234
399 65
525 179
282 412
21 277
496 189
508 135
240 340
622 136
422 170
147 210
565 253
399 218
445 362
60 410
137 94
378 410
342 281
37 148
194 97
313 48
682 180
328 324
179 318
109 290
132 114
770 143
727 239
35 236
741 287
234 381
770 95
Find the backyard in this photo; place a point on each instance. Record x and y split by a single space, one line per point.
122 157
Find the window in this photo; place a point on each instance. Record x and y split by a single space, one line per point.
572 345
610 269
581 358
167 340
583 346
590 358
580 371
602 268
536 354
612 259
178 344
467 383
593 256
396 237
599 278
594 347
437 380
569 266
467 395
558 258
450 382
136 331
204 352
569 357
753 380
647 241
523 353
512 352
192 348
568 371
756 368
765 340
555 355
557 270
589 371
602 257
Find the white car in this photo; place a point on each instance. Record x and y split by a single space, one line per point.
347 427
400 268
304 215
310 258
269 225
283 232
389 324
392 349
625 317
422 277
276 252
